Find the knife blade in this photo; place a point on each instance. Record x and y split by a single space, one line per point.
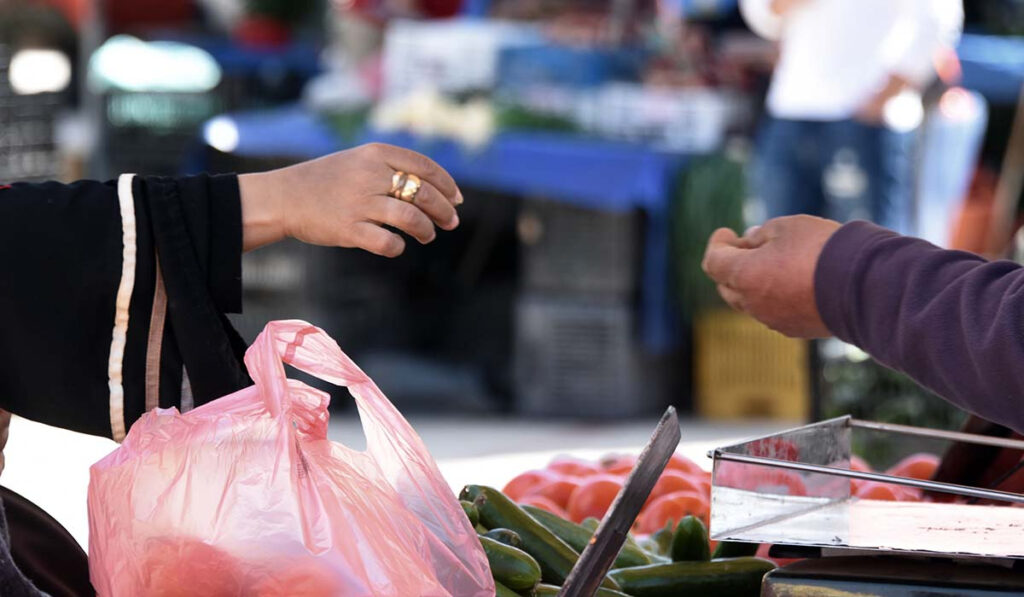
600 553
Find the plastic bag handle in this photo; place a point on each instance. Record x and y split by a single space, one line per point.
305 347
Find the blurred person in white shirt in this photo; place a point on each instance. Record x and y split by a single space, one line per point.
844 100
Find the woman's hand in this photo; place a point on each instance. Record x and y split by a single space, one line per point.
342 200
768 272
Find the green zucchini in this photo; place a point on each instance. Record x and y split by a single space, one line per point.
734 549
690 543
555 557
501 590
663 538
512 567
577 537
471 513
505 536
736 577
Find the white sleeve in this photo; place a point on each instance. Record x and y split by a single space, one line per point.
933 25
761 19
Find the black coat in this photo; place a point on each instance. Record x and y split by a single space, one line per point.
102 318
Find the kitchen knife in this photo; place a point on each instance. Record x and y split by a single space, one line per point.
599 555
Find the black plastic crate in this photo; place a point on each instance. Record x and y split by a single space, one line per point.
27 148
577 356
564 248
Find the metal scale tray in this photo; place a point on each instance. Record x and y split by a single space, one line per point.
757 486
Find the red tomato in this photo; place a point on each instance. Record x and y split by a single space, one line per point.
873 490
617 464
672 481
916 466
912 494
557 490
566 465
681 463
859 464
773 447
674 507
544 504
593 497
757 478
705 483
525 482
174 563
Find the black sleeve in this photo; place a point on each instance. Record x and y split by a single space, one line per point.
66 250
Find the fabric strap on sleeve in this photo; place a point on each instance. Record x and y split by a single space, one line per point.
115 364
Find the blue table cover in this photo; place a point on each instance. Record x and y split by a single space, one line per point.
992 65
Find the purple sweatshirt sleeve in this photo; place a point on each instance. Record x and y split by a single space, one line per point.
950 319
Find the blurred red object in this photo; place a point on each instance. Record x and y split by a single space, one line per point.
972 225
262 32
129 14
430 9
440 9
125 15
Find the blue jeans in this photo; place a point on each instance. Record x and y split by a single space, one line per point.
844 170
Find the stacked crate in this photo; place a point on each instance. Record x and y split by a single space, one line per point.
745 370
27 148
576 348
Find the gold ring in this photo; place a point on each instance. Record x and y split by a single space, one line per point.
410 188
397 183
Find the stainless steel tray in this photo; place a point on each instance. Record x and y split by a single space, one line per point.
793 488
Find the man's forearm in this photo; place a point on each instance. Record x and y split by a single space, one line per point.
949 319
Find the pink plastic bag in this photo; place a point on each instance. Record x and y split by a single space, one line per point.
245 496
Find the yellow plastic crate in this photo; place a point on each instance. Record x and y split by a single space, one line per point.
745 370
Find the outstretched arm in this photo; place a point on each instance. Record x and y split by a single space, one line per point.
951 320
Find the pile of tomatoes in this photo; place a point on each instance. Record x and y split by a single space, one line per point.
577 489
916 466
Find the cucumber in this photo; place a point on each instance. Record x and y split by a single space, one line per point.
590 523
481 529
663 538
555 557
648 545
501 590
737 577
512 567
577 537
734 549
552 590
690 543
505 536
471 513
